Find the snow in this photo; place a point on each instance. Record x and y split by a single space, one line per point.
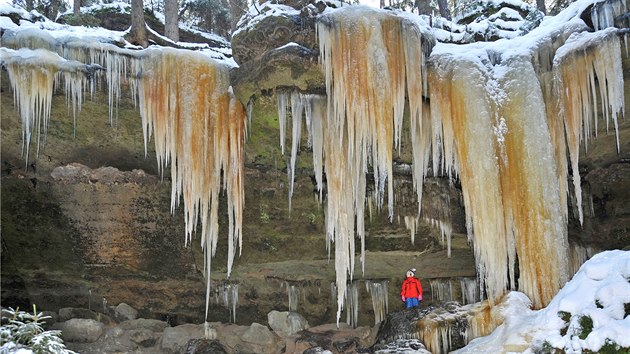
598 290
260 12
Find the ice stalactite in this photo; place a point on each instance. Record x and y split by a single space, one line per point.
439 331
352 299
411 223
441 290
587 70
293 292
464 117
471 292
118 64
446 232
368 56
312 108
603 13
227 295
32 74
199 129
380 303
465 290
503 153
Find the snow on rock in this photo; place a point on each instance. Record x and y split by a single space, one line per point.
600 290
258 13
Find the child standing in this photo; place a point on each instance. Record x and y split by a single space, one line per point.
411 292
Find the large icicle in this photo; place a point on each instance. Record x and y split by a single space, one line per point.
503 153
587 65
364 59
199 128
32 75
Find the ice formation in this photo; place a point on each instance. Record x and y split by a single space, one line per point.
186 105
32 74
227 295
199 129
581 67
378 291
491 123
367 57
464 290
352 299
293 292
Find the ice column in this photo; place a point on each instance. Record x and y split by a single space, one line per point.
380 304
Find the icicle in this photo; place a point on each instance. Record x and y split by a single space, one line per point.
283 104
587 57
441 289
32 75
364 61
226 295
411 223
446 232
293 293
470 290
199 128
378 290
352 298
603 13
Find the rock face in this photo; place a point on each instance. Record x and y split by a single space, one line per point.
277 49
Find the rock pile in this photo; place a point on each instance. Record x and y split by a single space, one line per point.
119 331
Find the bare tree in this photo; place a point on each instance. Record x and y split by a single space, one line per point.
138 32
237 9
171 15
423 6
76 8
540 4
444 10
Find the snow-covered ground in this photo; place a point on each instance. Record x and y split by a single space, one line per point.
598 294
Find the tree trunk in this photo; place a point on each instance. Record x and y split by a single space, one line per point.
237 9
29 5
444 10
382 4
540 4
76 8
54 9
423 6
138 33
171 15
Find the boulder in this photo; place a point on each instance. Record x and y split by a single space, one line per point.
68 313
175 339
286 323
204 346
143 337
258 334
124 312
144 323
81 330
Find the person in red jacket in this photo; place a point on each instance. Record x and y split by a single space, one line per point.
411 293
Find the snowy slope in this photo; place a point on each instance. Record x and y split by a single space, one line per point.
600 290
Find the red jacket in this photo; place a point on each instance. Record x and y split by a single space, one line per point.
411 287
